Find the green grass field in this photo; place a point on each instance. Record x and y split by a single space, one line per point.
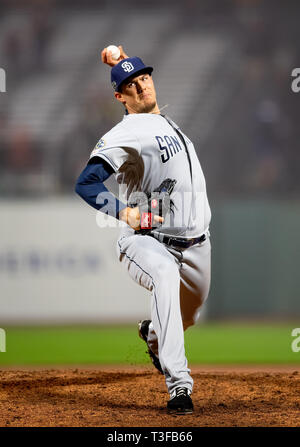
212 343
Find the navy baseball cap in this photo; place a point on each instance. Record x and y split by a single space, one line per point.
125 69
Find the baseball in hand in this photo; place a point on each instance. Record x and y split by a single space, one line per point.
115 52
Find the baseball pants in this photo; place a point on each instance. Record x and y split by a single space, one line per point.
179 280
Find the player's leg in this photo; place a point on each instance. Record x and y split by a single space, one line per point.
195 272
152 266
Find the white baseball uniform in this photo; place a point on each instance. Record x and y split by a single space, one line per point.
179 278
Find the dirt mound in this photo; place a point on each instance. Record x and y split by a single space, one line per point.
112 397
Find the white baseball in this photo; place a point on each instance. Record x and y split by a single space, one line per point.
115 52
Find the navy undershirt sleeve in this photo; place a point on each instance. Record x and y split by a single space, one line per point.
90 187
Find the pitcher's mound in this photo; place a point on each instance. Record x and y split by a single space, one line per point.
137 397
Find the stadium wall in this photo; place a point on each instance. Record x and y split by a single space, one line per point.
58 266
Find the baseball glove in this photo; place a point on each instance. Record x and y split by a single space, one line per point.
155 203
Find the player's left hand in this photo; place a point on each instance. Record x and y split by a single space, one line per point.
132 217
107 59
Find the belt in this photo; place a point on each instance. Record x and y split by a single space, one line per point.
179 242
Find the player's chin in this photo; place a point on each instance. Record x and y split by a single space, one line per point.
148 106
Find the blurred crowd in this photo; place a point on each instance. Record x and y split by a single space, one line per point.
252 150
23 45
261 129
99 112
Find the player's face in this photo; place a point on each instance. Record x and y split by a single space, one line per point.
138 94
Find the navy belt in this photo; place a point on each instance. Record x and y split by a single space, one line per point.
179 242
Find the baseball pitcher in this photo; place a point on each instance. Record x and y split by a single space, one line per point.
145 172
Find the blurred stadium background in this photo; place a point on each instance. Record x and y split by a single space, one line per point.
224 70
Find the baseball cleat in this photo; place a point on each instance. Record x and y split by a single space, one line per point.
143 334
180 402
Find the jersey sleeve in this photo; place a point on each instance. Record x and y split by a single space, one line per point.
111 146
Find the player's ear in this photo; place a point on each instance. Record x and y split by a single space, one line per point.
120 98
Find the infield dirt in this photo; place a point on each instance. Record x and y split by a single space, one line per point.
137 397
